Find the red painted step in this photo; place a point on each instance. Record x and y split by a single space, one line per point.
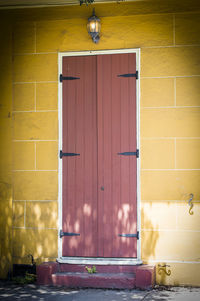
107 276
96 280
63 267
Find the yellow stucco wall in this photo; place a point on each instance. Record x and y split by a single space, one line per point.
170 134
5 148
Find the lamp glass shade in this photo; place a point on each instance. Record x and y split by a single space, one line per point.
94 25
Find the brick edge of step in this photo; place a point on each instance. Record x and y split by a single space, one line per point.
99 280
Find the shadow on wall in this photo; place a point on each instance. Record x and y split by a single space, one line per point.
149 238
5 148
35 231
40 243
5 229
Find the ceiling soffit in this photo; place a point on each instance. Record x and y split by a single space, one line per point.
63 9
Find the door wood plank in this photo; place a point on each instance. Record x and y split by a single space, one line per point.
80 173
117 203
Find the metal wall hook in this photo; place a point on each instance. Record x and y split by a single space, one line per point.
163 268
32 258
191 204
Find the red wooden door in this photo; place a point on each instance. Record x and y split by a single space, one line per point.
99 185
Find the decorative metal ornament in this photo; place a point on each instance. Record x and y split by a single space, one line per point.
191 204
163 268
94 27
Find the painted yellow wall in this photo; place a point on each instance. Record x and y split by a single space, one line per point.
5 148
170 133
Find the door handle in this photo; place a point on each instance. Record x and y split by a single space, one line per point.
102 188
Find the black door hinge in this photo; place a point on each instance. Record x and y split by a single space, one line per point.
130 153
130 235
129 75
67 78
68 154
68 234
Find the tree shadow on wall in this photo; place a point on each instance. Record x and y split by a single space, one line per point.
5 228
149 238
39 243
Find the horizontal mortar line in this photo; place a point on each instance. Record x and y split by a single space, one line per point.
57 5
35 201
10 7
15 140
35 111
19 83
13 227
152 138
35 228
172 201
162 14
184 13
19 170
41 228
171 13
22 257
36 82
170 230
15 256
170 46
33 53
171 169
170 107
170 261
157 138
173 76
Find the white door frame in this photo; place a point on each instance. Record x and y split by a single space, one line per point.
84 260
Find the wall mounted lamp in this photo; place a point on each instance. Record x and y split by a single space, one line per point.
94 27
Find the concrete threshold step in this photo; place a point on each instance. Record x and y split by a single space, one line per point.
95 280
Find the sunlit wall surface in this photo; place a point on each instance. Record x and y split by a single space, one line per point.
170 129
